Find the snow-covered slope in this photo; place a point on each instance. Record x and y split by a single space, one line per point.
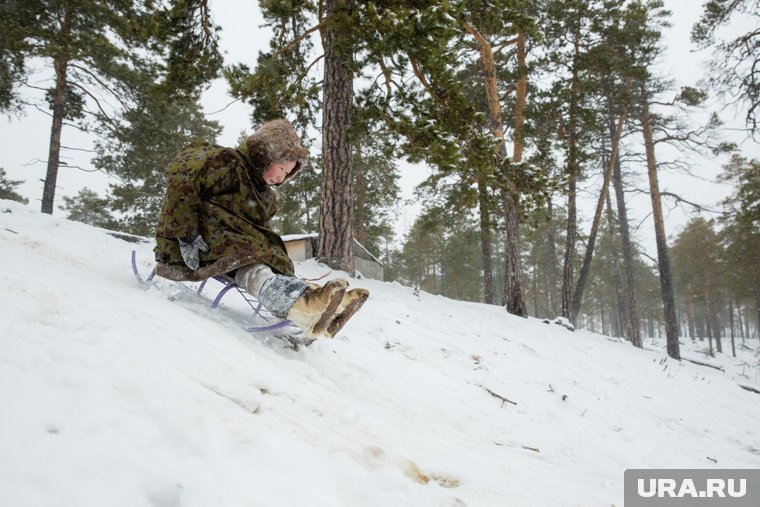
115 393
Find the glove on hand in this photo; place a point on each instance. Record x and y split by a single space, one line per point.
190 248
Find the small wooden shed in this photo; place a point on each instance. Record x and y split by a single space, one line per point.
302 246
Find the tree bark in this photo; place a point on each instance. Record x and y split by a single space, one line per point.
60 64
521 96
691 318
757 312
731 325
552 278
486 241
712 314
663 256
336 210
360 193
740 321
622 311
709 311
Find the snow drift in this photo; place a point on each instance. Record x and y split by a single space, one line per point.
121 394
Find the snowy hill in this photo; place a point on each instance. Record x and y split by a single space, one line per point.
115 393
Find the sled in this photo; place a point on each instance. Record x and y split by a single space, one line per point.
292 334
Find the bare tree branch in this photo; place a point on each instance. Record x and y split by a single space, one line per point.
77 149
100 107
225 107
680 200
303 75
100 82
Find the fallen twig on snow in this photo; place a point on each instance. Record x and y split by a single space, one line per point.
750 389
502 398
704 364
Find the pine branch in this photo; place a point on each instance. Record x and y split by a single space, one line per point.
507 43
206 16
298 39
425 84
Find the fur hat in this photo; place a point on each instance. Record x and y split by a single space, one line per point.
275 141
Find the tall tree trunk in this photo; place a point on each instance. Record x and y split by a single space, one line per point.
60 64
521 97
712 314
757 312
690 314
513 289
360 195
486 241
619 289
580 285
336 210
552 268
631 325
534 284
709 312
572 182
663 256
731 325
513 297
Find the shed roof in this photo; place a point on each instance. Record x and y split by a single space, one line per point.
362 251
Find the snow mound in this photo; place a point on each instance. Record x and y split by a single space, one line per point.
125 394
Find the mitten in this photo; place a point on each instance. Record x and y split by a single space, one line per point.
190 249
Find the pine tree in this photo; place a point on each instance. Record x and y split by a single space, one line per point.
150 135
569 32
698 278
733 69
8 188
611 69
741 231
100 53
87 207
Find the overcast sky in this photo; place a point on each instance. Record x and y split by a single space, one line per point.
26 139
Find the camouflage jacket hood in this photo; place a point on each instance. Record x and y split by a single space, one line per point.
220 194
274 141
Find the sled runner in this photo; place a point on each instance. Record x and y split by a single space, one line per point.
290 332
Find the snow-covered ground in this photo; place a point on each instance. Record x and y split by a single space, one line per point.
115 393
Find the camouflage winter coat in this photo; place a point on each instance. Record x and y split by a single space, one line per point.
220 194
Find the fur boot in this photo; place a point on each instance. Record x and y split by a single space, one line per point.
349 305
313 311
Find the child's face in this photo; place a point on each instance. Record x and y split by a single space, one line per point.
276 173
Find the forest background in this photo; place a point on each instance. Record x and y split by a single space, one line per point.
591 160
